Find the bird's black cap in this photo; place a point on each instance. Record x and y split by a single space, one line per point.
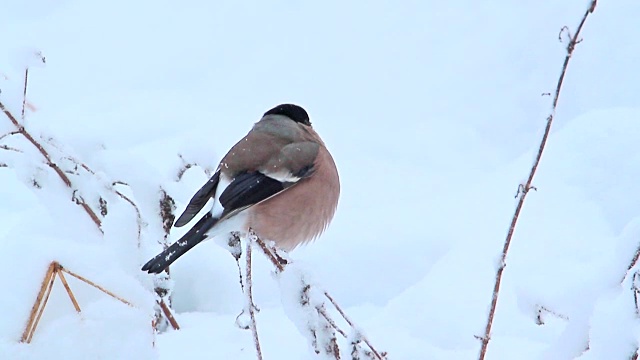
293 112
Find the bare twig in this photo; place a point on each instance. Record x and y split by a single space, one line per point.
526 187
139 221
250 305
11 133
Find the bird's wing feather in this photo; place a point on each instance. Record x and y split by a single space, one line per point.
206 192
293 163
249 188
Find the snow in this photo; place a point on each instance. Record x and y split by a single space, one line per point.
433 113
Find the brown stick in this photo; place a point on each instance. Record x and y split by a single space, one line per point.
46 284
94 285
524 189
41 310
67 288
169 315
249 294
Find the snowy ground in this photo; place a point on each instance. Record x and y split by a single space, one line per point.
433 113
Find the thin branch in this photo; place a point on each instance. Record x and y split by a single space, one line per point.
24 93
526 187
9 148
137 210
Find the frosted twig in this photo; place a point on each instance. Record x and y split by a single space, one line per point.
322 311
280 264
524 189
21 130
139 221
378 355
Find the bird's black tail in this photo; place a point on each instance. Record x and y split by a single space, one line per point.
192 238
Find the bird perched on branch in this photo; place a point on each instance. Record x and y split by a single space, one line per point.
280 180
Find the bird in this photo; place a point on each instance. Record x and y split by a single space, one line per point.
280 180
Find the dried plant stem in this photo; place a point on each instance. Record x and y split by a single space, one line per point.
36 310
249 294
55 269
524 189
68 289
346 318
168 314
11 133
87 281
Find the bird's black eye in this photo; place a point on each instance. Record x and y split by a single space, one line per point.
293 112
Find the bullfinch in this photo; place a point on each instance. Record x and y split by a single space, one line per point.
279 180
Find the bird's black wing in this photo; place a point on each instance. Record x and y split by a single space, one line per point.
249 188
206 192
